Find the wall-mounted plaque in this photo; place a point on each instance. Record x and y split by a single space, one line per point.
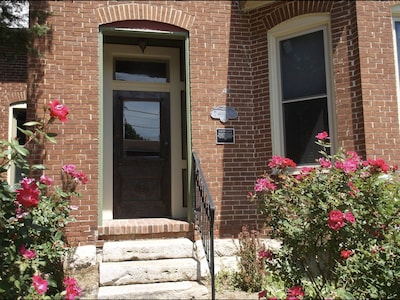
224 113
225 136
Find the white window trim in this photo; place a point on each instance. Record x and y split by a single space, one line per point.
12 133
291 28
396 18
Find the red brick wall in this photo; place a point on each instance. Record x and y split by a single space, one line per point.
378 79
228 66
13 76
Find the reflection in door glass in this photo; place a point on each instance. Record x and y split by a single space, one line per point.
141 71
141 128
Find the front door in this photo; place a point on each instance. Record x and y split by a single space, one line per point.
141 154
143 132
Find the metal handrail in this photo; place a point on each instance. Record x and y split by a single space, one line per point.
204 211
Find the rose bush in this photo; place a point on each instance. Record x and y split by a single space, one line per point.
339 223
33 214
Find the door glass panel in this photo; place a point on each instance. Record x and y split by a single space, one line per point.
141 71
141 128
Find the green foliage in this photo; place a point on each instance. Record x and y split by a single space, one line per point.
251 274
339 225
33 214
17 39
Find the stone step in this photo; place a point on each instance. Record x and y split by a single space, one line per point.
165 290
149 271
147 249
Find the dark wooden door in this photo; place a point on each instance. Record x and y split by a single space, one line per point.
141 155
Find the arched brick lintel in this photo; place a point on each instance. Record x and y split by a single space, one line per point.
143 11
16 96
295 8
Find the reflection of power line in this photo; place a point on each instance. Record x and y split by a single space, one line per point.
147 127
143 117
142 112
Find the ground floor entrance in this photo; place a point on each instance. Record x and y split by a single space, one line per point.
144 128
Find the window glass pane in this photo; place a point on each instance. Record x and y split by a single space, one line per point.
141 128
141 71
397 28
19 119
303 121
303 66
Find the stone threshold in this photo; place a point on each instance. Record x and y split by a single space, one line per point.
147 228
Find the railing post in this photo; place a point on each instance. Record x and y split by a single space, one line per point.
204 212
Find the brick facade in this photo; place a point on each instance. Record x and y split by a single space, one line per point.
228 66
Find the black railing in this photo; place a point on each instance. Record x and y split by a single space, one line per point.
204 211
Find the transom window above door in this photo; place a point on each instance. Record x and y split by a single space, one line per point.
141 71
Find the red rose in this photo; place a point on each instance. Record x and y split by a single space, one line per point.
296 291
58 110
28 194
345 254
335 220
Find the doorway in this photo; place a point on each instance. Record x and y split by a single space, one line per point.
144 129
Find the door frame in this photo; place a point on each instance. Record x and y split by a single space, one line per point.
105 149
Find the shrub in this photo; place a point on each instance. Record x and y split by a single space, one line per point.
338 222
251 265
33 214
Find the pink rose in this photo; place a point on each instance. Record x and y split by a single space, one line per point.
69 169
281 162
39 284
264 184
58 110
46 180
71 288
322 136
349 217
325 163
28 254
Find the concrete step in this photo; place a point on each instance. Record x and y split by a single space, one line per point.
149 271
147 249
165 290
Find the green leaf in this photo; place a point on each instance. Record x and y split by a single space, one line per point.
51 138
17 284
26 131
38 167
21 150
32 123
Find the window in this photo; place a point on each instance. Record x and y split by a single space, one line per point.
397 38
141 71
17 119
396 34
300 89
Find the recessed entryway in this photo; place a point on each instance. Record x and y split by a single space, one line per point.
143 130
